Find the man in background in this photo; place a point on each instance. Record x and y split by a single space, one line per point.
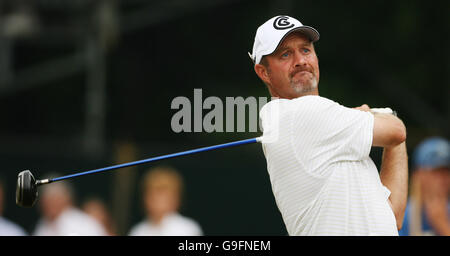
96 208
427 212
7 227
60 217
162 191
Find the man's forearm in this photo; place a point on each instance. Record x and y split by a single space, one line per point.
394 175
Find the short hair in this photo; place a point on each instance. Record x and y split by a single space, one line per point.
162 177
264 62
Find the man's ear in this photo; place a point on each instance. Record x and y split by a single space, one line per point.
262 73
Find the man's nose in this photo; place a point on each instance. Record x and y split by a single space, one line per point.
299 59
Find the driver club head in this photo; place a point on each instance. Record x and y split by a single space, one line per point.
26 190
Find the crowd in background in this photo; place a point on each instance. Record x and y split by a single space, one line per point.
427 211
162 192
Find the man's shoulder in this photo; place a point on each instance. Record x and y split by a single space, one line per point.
9 228
74 214
72 218
312 101
140 228
304 100
188 225
181 219
309 103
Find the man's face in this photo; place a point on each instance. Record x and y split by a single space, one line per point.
53 203
160 201
293 69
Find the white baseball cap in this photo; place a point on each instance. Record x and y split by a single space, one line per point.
270 34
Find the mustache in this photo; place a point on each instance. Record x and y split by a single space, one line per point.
300 69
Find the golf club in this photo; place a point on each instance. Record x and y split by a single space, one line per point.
27 193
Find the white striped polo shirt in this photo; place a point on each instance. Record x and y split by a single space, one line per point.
322 177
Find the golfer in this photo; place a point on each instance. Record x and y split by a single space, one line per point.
322 177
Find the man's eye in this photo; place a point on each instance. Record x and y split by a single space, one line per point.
284 55
306 50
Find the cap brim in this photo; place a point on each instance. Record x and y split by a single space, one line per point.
310 32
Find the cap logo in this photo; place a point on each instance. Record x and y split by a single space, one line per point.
281 22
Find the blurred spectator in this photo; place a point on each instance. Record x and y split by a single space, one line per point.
97 209
162 190
427 212
7 227
60 217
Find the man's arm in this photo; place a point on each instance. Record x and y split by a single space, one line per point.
389 132
394 175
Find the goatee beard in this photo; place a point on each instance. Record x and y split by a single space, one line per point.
302 88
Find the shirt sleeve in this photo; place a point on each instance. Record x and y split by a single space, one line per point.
325 132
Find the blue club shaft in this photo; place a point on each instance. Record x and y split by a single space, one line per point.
153 159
